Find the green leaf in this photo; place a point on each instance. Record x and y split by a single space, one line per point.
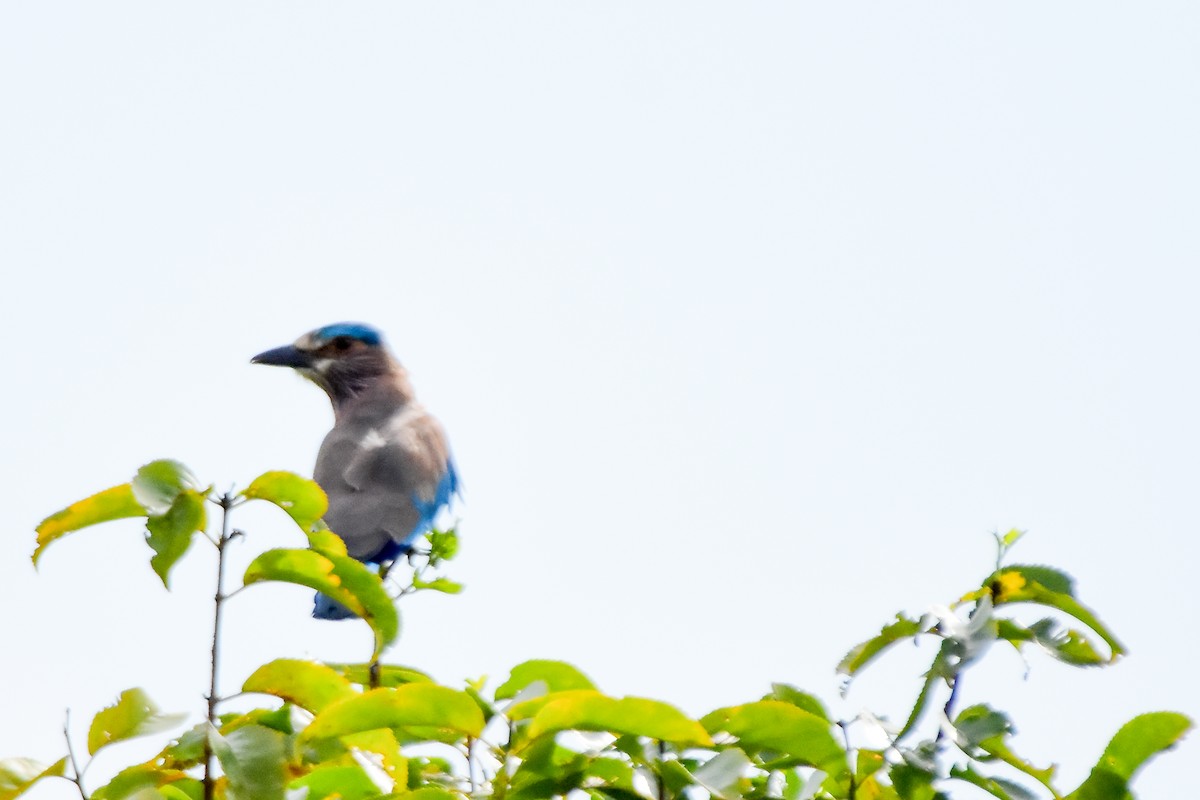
18 774
170 534
134 714
1053 579
558 676
903 628
485 705
342 578
186 751
800 699
997 787
614 772
979 723
547 770
131 782
255 761
587 710
1138 740
782 728
443 545
1011 538
383 744
424 793
1067 645
158 483
868 763
793 784
675 776
323 540
186 789
341 782
937 673
111 504
722 774
443 585
278 719
1141 739
389 674
912 783
307 684
414 705
1021 585
303 500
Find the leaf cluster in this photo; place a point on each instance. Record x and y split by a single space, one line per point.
372 730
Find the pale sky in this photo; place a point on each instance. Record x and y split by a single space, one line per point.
749 323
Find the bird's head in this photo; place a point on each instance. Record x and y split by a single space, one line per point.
343 358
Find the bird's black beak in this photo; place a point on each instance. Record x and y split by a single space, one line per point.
286 356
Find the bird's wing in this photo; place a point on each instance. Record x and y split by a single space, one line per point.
387 483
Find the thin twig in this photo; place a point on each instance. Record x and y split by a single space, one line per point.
849 760
373 671
226 503
233 696
662 758
948 709
471 763
419 569
78 779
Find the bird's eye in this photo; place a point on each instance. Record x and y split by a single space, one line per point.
342 343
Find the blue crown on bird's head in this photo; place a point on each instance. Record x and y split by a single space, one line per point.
358 331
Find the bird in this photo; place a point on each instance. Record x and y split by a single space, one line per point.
385 465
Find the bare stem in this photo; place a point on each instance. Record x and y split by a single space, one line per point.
662 758
849 759
373 670
226 503
471 763
78 779
948 709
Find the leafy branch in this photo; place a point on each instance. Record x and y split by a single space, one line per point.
375 730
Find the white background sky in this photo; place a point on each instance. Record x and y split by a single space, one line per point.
748 322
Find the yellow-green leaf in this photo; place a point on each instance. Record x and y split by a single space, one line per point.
307 684
335 781
111 504
302 499
341 578
323 540
783 728
18 774
134 714
414 705
443 585
133 782
170 534
382 743
902 628
1139 740
557 675
1022 585
255 761
389 674
589 710
158 483
424 793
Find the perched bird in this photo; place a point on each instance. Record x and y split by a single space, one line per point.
385 466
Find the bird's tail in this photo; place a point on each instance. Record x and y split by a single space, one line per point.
325 607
